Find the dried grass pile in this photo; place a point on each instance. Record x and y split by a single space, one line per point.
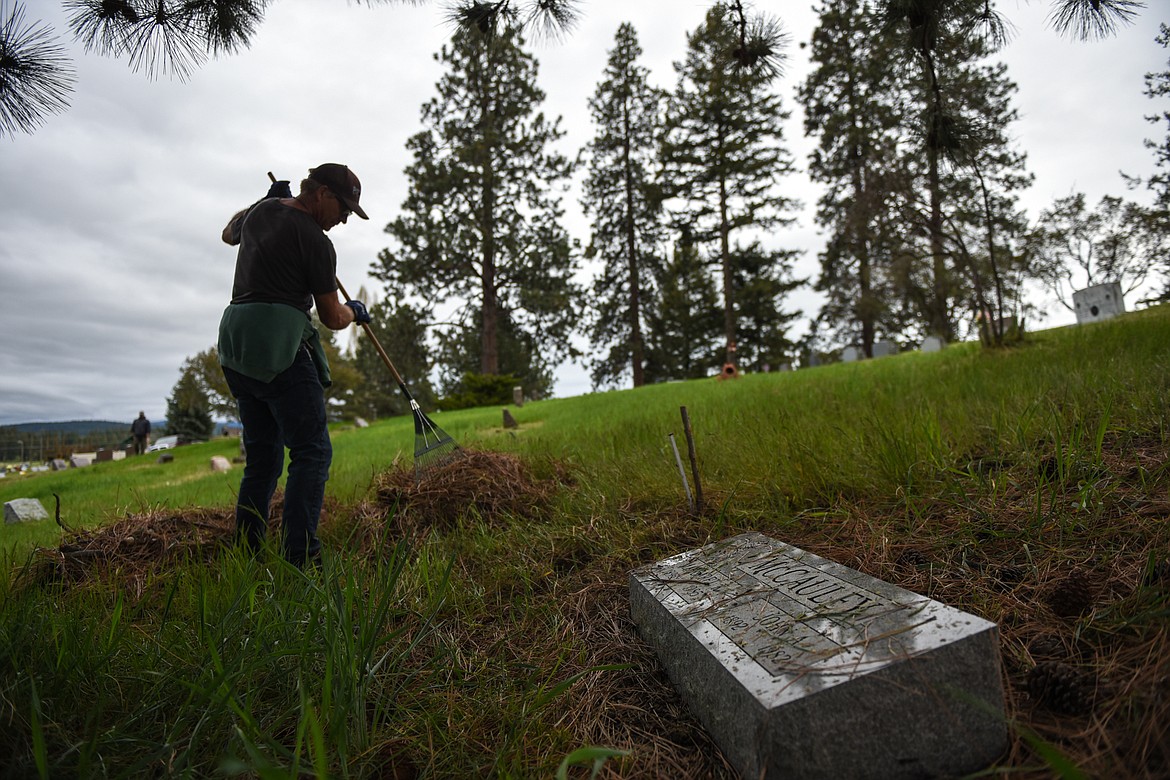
490 486
136 547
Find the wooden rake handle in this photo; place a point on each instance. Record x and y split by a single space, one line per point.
377 345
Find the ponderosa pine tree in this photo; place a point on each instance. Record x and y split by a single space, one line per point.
684 324
480 228
854 104
724 156
961 158
621 198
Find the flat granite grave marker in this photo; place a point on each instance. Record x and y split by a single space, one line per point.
24 510
800 667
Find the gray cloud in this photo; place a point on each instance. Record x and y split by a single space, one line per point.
110 258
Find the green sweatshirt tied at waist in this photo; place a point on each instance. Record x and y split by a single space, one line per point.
260 340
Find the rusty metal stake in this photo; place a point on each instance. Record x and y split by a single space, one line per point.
686 420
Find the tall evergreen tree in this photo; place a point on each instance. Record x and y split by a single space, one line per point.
965 169
480 227
621 197
853 104
684 324
724 153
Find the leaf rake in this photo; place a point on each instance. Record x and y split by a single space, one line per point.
432 446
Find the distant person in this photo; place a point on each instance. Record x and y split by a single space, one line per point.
272 356
140 428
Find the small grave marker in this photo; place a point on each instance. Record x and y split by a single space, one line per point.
884 348
931 344
220 463
801 667
79 461
23 510
518 396
850 355
509 420
103 455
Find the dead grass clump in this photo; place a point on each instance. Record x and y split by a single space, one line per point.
634 708
487 485
136 547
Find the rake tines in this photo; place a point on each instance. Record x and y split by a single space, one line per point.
432 446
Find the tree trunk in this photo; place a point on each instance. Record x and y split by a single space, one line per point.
489 360
725 257
637 345
938 321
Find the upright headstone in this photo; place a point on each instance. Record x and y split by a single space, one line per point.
518 396
509 420
800 667
931 344
23 510
58 464
1099 302
78 461
103 455
220 463
850 354
884 348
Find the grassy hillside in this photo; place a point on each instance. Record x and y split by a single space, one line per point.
476 624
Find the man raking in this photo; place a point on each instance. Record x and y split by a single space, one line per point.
272 355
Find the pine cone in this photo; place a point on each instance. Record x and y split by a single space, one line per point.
913 557
1061 688
1046 646
1074 595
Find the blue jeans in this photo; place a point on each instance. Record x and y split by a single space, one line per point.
287 412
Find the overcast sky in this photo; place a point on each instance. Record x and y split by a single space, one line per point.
110 214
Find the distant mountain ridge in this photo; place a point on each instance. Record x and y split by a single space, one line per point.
78 426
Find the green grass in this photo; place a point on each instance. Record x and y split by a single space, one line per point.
501 646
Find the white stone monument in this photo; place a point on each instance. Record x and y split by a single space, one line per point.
1099 302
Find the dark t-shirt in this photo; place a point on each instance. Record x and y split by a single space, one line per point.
284 257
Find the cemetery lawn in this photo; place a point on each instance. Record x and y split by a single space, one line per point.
476 623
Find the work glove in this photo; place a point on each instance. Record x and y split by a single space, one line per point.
279 189
360 315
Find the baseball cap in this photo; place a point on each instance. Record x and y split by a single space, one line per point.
342 181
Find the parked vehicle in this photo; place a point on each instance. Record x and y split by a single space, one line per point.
163 443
